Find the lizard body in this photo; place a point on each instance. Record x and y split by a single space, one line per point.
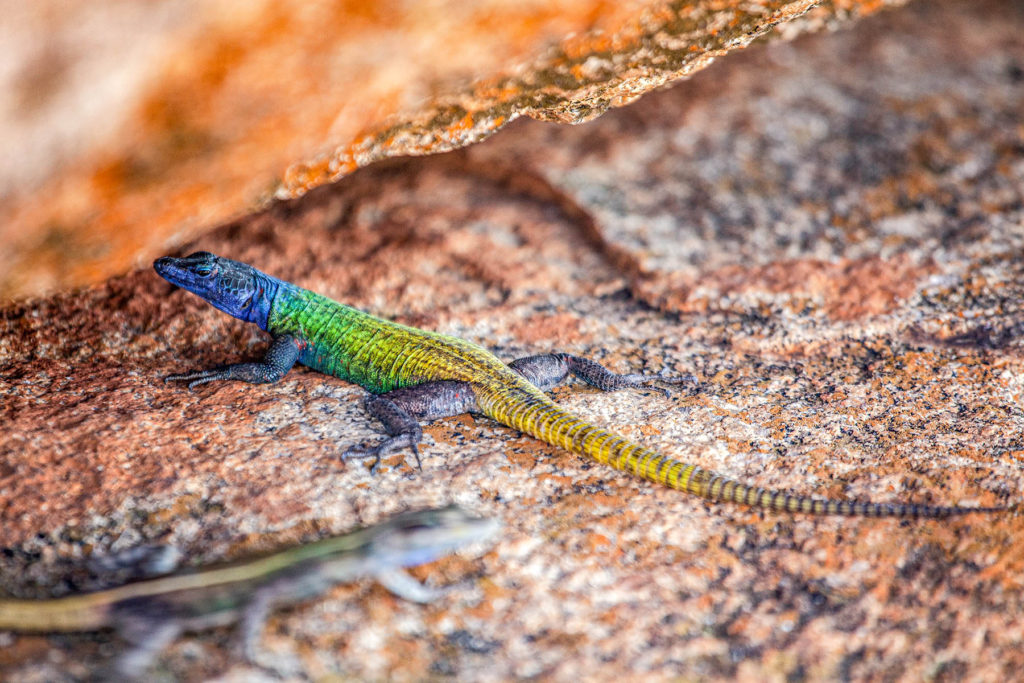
416 374
152 613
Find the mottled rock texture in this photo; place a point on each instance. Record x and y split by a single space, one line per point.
130 127
827 232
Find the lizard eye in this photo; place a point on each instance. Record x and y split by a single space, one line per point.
203 269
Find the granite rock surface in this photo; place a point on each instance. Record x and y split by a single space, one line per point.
826 232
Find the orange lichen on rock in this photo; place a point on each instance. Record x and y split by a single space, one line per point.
170 118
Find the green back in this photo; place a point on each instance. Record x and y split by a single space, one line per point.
377 354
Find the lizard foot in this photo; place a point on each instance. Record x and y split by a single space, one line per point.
198 377
384 447
641 381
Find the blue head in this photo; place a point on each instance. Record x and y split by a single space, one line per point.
233 287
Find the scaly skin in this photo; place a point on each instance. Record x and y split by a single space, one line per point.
422 374
153 612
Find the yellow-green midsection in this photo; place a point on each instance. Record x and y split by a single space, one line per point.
378 354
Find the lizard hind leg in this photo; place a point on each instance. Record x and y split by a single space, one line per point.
548 370
400 410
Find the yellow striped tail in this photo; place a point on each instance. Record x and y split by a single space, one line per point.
531 411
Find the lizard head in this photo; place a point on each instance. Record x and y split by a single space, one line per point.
418 537
233 287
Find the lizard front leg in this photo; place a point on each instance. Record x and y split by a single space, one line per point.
252 621
548 370
400 411
150 635
404 586
280 357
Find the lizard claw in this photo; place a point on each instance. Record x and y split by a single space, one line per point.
375 452
198 377
675 379
650 381
361 453
672 379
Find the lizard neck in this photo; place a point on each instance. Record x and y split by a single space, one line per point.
269 291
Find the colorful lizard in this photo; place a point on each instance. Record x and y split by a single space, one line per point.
153 613
414 374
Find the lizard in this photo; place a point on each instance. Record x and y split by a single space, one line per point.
415 374
152 613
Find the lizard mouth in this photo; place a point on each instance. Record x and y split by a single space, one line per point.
168 268
163 265
175 271
188 271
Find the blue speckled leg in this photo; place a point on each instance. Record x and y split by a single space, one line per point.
280 357
400 410
548 370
